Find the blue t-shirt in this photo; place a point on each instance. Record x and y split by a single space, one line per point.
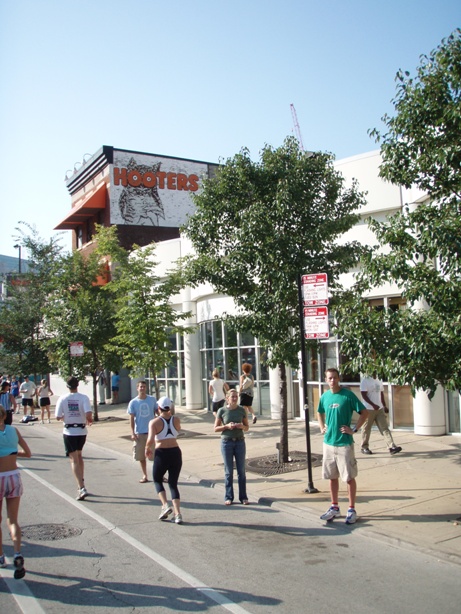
338 408
143 411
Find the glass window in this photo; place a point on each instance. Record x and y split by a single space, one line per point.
402 405
248 355
263 368
453 412
247 339
217 328
231 336
232 367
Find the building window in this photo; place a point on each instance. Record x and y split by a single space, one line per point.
171 381
223 348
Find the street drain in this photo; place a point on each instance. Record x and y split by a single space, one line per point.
49 532
269 465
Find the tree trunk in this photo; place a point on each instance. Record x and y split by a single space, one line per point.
283 414
95 397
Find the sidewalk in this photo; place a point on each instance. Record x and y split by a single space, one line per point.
412 498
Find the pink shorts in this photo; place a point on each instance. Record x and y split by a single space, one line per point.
10 484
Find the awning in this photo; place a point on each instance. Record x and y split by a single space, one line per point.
92 203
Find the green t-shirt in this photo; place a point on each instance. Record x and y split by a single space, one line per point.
226 416
338 408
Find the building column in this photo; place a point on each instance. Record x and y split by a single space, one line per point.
192 373
274 388
429 414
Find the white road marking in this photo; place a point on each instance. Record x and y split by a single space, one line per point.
187 578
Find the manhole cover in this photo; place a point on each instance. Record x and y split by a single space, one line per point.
269 465
49 532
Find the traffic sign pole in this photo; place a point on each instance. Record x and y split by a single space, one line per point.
310 484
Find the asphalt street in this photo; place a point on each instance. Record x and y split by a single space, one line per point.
111 552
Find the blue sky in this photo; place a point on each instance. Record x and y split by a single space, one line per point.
197 80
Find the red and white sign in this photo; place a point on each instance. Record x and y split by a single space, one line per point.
315 289
316 323
76 348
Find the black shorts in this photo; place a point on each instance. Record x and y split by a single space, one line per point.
44 401
246 400
27 402
73 443
217 405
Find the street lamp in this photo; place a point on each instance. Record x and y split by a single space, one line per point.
17 246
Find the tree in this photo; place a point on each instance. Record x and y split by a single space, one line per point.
257 226
78 310
419 346
145 317
22 316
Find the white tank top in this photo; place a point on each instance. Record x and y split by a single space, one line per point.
169 431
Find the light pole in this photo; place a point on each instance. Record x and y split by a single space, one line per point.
17 246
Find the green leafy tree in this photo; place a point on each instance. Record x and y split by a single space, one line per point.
145 317
23 348
78 310
257 226
421 345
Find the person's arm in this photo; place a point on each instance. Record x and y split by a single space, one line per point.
367 399
210 390
151 438
26 453
321 419
245 425
226 387
132 425
89 417
177 423
219 427
50 393
363 415
383 403
58 414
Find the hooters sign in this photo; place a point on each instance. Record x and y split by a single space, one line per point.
149 190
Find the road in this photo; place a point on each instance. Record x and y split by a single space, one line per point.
110 552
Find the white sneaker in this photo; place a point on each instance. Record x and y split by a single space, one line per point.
178 519
82 493
332 512
351 516
166 511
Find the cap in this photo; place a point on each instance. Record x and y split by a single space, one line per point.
165 403
72 383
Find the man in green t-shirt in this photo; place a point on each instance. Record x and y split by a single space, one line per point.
335 410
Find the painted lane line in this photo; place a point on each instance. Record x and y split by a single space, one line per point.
21 593
183 575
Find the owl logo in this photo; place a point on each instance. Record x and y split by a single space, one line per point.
141 205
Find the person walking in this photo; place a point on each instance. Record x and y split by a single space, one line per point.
372 391
115 385
141 410
27 391
335 410
217 389
74 410
11 488
8 401
163 432
232 422
247 383
44 393
101 379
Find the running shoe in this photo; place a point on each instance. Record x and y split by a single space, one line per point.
351 516
178 519
166 511
19 571
3 562
395 450
82 493
332 512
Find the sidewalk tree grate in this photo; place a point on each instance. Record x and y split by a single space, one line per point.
49 532
269 465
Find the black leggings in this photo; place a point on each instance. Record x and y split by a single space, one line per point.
167 459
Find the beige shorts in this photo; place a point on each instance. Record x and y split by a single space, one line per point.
339 462
139 447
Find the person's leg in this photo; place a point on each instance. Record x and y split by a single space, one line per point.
240 453
227 451
12 511
1 534
351 492
143 464
174 469
42 412
334 491
32 407
383 427
366 429
77 465
24 406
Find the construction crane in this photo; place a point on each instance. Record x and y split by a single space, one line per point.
296 126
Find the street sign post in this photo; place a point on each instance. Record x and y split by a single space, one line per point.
76 348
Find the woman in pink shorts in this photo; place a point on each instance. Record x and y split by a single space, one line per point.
11 488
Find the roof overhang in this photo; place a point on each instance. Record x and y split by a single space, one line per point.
83 210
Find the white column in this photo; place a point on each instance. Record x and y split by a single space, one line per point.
192 373
429 415
274 387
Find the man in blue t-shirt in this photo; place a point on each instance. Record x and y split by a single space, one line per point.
141 410
335 410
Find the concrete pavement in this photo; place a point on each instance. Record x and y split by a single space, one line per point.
411 499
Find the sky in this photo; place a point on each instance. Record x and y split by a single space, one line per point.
198 80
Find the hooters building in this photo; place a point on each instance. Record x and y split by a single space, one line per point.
147 196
